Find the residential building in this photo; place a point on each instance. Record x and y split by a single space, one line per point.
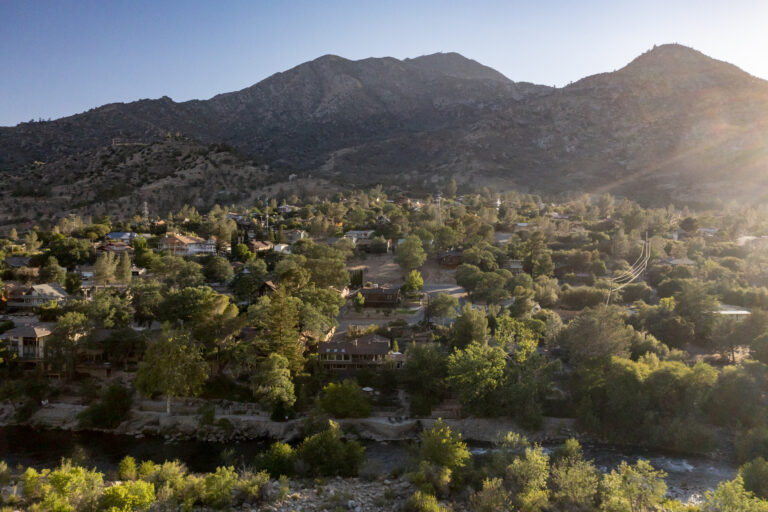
736 312
27 342
369 351
451 259
294 235
29 297
380 296
356 235
258 246
183 245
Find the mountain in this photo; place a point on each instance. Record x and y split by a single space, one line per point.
672 125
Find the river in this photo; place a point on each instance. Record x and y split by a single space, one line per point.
688 476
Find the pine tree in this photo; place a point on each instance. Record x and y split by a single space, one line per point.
123 269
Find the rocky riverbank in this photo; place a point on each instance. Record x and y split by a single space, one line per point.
149 419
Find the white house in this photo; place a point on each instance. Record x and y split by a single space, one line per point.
182 245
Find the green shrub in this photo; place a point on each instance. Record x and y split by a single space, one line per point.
207 414
219 487
126 470
755 475
753 443
128 497
345 400
252 486
5 474
328 454
492 497
423 502
110 411
278 460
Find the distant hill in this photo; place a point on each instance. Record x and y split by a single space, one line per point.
673 125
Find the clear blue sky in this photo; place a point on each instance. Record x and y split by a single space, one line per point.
62 57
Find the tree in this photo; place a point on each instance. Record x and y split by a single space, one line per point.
477 373
443 305
358 301
146 298
248 282
634 488
515 338
70 330
574 481
755 476
173 366
52 272
731 496
217 270
345 400
471 326
440 446
13 235
272 385
31 243
528 476
73 283
123 274
689 224
105 268
413 282
277 317
424 375
410 253
596 334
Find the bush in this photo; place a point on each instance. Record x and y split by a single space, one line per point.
126 470
278 460
755 475
753 443
422 502
583 297
5 474
491 497
219 487
252 487
328 454
128 497
345 400
110 411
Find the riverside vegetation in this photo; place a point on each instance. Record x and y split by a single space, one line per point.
533 338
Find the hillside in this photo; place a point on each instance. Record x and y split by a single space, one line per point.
673 125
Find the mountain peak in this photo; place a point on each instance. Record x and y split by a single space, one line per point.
676 59
456 65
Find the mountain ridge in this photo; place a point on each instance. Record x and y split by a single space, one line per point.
671 123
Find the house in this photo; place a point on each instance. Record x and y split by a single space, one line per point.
708 231
294 235
258 246
116 248
17 261
286 209
183 245
121 236
676 262
369 351
380 296
736 312
28 297
515 266
356 235
451 259
27 341
282 249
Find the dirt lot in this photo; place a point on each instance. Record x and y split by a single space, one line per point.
381 269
